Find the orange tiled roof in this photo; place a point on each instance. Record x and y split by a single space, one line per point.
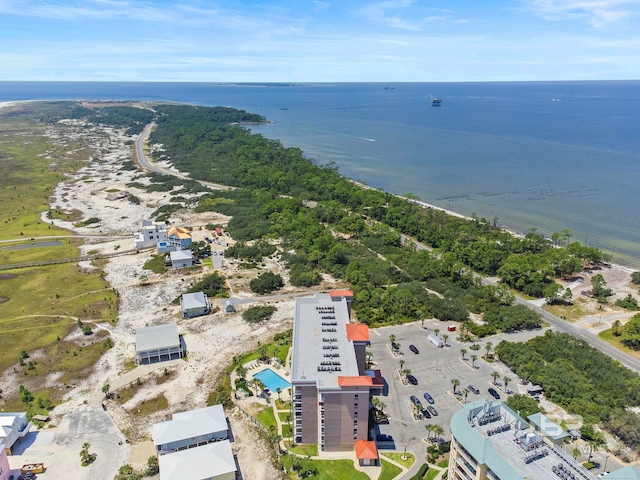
366 450
179 232
341 293
357 332
361 381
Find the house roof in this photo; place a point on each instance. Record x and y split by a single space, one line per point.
179 232
181 255
207 461
194 423
360 381
357 332
366 450
194 300
157 336
340 293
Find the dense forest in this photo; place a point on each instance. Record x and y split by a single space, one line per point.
329 224
579 378
325 223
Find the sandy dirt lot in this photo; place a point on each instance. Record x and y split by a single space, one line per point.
211 340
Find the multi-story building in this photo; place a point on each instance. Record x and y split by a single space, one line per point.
489 441
331 388
150 234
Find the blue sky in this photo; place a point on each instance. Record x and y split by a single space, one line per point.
319 40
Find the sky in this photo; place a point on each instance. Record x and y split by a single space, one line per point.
319 40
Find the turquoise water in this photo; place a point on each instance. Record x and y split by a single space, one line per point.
272 380
545 155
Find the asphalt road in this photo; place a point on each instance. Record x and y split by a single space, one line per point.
145 163
577 331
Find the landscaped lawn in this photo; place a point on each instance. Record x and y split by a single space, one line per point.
397 457
443 463
266 417
389 471
327 469
300 449
431 474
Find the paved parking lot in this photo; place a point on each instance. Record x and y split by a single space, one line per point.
434 368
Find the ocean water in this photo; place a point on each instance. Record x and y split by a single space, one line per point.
544 155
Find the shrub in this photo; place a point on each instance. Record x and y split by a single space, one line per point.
266 283
259 313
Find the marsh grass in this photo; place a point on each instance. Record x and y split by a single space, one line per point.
41 304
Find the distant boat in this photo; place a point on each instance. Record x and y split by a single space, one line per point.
435 101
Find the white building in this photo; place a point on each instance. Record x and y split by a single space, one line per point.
194 445
489 441
181 258
159 343
13 427
195 304
150 234
213 461
190 429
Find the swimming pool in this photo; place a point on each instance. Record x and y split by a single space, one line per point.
272 380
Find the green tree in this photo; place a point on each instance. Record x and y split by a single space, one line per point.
241 371
473 360
489 347
463 351
266 282
105 390
495 376
506 381
455 382
523 404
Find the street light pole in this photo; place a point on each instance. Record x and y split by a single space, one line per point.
606 459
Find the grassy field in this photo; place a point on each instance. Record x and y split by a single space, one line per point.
608 336
389 471
397 457
40 306
326 469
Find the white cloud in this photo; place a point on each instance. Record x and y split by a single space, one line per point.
596 12
399 14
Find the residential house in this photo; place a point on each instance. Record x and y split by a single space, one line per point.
159 343
13 428
190 429
150 235
195 304
179 237
213 461
181 258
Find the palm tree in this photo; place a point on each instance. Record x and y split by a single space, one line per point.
392 339
473 360
438 430
437 330
401 362
466 392
455 382
489 347
262 351
105 390
463 351
278 390
495 376
445 337
241 371
506 381
429 428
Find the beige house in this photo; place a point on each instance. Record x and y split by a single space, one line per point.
331 388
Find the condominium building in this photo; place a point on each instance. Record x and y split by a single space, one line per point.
331 388
489 441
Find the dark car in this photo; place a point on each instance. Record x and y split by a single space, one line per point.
383 421
381 437
412 380
425 413
414 400
429 398
494 393
414 349
474 389
433 410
